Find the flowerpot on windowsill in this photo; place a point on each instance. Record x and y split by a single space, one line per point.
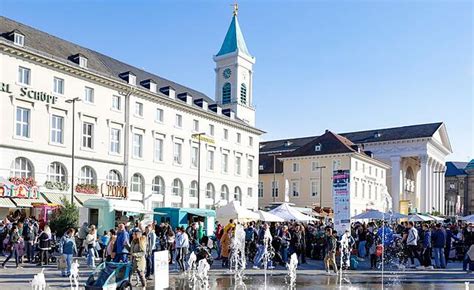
86 188
28 181
58 186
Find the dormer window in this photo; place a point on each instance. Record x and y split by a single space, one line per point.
129 77
80 59
377 135
260 167
317 147
288 143
150 84
17 37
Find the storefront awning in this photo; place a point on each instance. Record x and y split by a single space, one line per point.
82 198
200 212
116 204
27 202
6 202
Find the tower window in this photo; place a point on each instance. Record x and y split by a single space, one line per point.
243 94
226 93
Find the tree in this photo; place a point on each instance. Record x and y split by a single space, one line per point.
64 218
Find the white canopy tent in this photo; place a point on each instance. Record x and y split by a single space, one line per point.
288 213
468 219
378 215
419 218
233 210
436 218
268 217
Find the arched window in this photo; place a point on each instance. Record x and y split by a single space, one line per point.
114 177
177 187
158 185
193 189
238 194
243 94
57 172
210 191
226 93
87 176
138 184
21 167
224 192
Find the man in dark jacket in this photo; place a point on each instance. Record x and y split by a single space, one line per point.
439 242
426 252
29 235
330 253
191 230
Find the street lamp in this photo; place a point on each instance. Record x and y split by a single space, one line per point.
320 186
73 101
198 136
274 174
439 188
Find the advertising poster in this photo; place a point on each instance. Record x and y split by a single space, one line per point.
162 280
342 198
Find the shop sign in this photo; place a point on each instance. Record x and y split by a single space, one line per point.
203 138
18 191
31 94
116 191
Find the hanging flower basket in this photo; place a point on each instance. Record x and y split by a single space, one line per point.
86 188
28 181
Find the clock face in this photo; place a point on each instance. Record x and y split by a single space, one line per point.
227 72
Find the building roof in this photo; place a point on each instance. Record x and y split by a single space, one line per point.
470 166
454 168
45 43
234 39
328 143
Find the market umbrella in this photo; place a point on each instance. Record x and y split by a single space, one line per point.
419 218
370 215
233 210
468 219
396 215
286 212
436 218
268 217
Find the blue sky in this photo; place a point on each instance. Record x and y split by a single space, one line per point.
338 65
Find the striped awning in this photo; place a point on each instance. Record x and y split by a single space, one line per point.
27 202
54 197
83 197
6 202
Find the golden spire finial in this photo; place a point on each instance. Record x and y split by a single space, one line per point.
236 8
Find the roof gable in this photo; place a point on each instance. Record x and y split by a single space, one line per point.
330 143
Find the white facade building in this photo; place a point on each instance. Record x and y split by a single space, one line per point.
132 128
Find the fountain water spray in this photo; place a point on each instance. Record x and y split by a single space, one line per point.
191 272
292 269
238 262
202 273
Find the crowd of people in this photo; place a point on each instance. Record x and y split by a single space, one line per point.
406 244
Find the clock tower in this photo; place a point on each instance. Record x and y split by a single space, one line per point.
234 74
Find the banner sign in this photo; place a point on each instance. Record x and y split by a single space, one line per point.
111 190
342 198
162 272
18 191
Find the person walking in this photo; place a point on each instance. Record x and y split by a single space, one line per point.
264 242
122 244
150 250
44 245
81 235
110 250
412 242
225 244
284 243
29 236
89 244
137 251
426 252
67 248
182 245
330 253
14 244
439 242
296 242
218 234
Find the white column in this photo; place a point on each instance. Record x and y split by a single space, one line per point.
429 186
423 184
396 183
443 192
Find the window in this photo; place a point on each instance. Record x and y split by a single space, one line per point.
211 130
243 94
275 188
314 166
237 194
363 190
356 165
88 95
376 172
176 204
116 103
57 129
177 187
356 188
260 189
225 162
114 178
296 167
226 93
295 188
24 76
138 183
158 185
18 39
177 153
210 160
87 175
250 167
370 170
376 191
57 172
195 125
210 191
237 165
226 134
193 189
239 138
138 109
249 192
381 173
224 192
87 135
363 168
158 149
137 145
370 191
178 121
21 167
336 164
314 188
115 140
159 115
22 124
194 156
317 147
250 141
82 61
58 87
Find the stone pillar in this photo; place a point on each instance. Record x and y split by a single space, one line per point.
443 190
434 184
423 188
396 182
429 186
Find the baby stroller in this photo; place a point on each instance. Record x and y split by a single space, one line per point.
203 252
110 275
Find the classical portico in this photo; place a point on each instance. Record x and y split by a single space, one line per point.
416 179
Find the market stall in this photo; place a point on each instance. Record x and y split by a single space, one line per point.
184 216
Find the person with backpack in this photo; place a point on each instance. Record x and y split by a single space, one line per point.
67 248
14 244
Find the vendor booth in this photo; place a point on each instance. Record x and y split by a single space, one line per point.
108 213
178 217
18 196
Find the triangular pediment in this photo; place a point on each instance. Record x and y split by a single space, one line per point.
441 136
